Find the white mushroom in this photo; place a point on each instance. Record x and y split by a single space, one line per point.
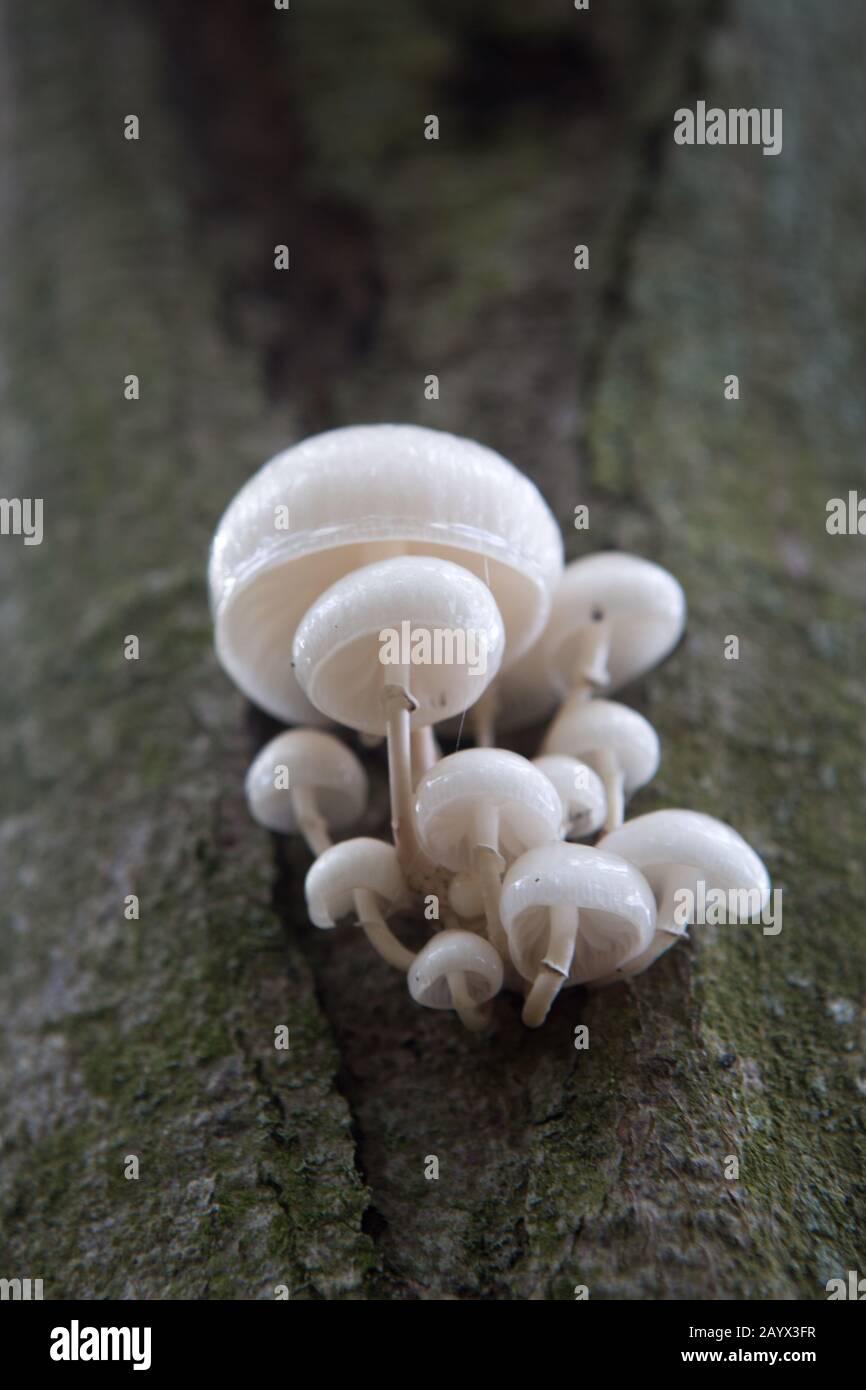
616 741
466 895
581 791
308 782
344 499
677 850
363 876
613 617
572 914
479 806
394 647
457 970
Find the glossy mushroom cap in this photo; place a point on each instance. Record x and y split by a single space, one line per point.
675 849
361 863
592 728
455 953
581 791
437 614
449 797
344 499
614 902
314 760
642 607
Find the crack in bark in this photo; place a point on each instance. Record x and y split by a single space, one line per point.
636 212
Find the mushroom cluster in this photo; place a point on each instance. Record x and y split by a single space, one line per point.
409 585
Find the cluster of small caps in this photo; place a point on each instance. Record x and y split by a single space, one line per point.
434 545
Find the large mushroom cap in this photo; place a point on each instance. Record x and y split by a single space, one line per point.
455 953
674 849
527 807
597 725
343 499
642 607
312 759
437 614
615 905
360 863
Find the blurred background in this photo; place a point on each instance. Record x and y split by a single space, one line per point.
410 257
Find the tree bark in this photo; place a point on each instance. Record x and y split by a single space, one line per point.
154 1037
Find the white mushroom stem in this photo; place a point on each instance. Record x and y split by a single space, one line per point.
592 649
470 1014
424 750
553 973
483 718
487 863
609 769
399 705
378 933
311 823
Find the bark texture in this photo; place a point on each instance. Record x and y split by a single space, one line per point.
154 1037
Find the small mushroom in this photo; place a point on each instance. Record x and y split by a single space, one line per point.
675 850
613 617
465 895
364 876
393 647
581 791
571 914
480 805
616 741
457 970
308 782
344 499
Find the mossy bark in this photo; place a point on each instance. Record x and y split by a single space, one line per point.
155 1037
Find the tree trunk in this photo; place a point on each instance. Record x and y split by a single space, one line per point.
410 257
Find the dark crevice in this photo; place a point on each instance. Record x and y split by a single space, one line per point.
654 147
229 73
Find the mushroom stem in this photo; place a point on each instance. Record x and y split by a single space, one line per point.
591 654
425 754
483 718
378 933
470 1015
613 777
553 973
399 705
487 863
311 822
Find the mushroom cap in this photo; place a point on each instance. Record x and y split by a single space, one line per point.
340 642
450 796
616 908
455 952
674 849
361 863
643 606
581 791
316 760
354 496
596 725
